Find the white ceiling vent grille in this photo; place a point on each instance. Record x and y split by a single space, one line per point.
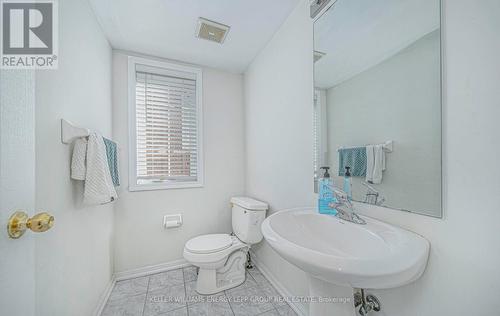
212 31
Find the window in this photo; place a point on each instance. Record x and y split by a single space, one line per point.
320 152
165 125
316 135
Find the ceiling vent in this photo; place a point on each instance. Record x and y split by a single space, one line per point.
318 55
316 6
212 31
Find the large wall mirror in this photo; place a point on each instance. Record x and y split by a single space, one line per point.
377 107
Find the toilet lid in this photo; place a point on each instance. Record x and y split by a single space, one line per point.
209 243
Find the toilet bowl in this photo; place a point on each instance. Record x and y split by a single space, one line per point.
221 258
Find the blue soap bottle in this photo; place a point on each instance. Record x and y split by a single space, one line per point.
348 183
326 194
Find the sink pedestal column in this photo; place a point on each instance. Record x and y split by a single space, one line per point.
337 300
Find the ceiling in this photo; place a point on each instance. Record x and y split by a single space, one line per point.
166 28
359 34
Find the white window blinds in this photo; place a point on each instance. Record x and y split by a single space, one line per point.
166 112
316 135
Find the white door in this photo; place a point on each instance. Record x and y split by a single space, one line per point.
17 190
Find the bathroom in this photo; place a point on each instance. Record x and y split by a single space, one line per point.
275 91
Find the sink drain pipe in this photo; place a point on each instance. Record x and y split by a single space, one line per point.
366 303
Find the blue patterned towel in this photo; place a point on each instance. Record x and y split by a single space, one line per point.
112 153
354 158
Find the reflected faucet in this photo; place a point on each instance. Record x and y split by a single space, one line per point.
344 207
372 196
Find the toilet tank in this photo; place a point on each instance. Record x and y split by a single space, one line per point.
247 216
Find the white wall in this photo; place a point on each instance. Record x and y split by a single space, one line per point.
399 100
74 258
462 275
140 239
278 119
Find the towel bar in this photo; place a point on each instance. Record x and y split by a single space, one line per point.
388 146
70 132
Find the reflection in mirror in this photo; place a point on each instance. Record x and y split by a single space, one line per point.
377 105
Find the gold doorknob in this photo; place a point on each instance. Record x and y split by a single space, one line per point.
20 221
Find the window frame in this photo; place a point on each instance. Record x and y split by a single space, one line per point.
132 126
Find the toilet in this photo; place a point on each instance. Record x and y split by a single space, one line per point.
221 258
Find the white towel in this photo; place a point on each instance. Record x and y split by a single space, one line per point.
99 187
78 168
375 163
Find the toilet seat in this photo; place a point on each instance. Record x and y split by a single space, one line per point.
217 255
211 243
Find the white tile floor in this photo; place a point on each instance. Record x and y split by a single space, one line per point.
172 293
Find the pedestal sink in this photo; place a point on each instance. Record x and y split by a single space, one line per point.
338 255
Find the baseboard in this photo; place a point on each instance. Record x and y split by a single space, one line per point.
104 297
299 308
139 272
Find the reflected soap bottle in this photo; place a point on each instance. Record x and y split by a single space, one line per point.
348 183
326 194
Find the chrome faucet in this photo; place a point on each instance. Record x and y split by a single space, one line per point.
344 207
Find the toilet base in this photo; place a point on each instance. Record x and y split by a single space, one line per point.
232 274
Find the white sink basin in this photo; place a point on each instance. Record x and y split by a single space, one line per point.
372 256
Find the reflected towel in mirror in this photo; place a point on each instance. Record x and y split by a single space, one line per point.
375 163
355 158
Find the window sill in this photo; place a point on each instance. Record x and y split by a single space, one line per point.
164 186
